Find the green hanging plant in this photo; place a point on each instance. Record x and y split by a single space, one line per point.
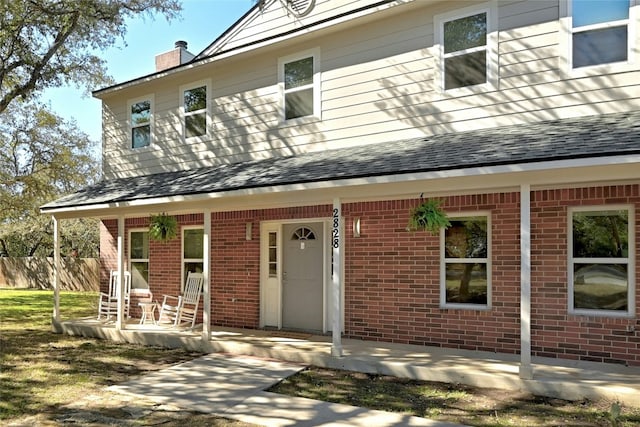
163 227
429 216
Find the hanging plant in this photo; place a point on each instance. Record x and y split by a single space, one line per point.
163 227
429 216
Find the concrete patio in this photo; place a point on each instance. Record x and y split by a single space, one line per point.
558 378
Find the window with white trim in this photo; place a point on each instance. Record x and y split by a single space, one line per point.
299 79
141 122
192 251
273 254
465 274
601 261
139 258
194 104
466 42
599 31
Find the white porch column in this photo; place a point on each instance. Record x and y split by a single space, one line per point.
120 320
56 272
336 243
206 272
526 371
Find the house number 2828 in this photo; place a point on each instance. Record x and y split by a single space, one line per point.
336 228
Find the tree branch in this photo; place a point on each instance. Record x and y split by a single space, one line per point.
36 73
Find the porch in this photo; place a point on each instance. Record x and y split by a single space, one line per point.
558 378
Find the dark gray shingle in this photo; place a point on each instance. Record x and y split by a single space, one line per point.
592 136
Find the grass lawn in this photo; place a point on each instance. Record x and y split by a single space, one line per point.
452 402
48 379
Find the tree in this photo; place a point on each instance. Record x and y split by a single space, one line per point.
44 44
42 157
51 43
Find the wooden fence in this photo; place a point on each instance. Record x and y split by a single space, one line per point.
78 274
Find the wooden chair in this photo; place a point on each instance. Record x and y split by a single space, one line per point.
108 302
183 309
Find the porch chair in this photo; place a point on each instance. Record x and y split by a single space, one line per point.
184 308
108 302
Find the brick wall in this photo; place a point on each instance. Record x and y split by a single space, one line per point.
235 297
108 251
393 278
236 262
165 261
392 287
555 333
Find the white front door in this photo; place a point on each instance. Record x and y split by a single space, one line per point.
302 276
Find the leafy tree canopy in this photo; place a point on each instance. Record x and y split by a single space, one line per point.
52 43
42 157
44 44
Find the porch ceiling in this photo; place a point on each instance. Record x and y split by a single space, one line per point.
592 137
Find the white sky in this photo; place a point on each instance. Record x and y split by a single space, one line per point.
201 22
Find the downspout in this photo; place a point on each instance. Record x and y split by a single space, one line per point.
120 320
526 371
206 272
336 243
56 275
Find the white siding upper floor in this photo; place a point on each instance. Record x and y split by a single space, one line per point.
378 76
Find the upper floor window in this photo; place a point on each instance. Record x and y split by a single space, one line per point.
465 51
465 41
140 116
601 261
465 267
599 32
300 81
195 112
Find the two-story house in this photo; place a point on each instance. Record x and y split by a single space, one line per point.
292 150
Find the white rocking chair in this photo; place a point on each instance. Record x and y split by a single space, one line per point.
108 302
183 309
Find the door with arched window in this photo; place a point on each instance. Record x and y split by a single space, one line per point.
302 277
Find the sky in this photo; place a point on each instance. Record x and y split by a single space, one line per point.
200 23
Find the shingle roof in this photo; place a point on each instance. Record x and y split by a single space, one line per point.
584 137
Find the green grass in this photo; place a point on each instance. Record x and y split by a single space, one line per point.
42 373
42 376
23 308
450 402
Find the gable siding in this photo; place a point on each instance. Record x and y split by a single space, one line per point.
274 20
378 86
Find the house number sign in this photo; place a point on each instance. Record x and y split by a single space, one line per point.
336 228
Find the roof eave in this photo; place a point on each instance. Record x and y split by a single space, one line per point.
482 178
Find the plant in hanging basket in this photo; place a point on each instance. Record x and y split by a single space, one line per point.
163 227
429 216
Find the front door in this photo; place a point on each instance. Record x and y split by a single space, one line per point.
302 277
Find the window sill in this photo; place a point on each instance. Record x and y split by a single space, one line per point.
300 121
196 139
474 307
602 313
600 69
459 92
147 149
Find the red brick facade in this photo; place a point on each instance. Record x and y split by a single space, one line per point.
393 278
555 333
392 289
